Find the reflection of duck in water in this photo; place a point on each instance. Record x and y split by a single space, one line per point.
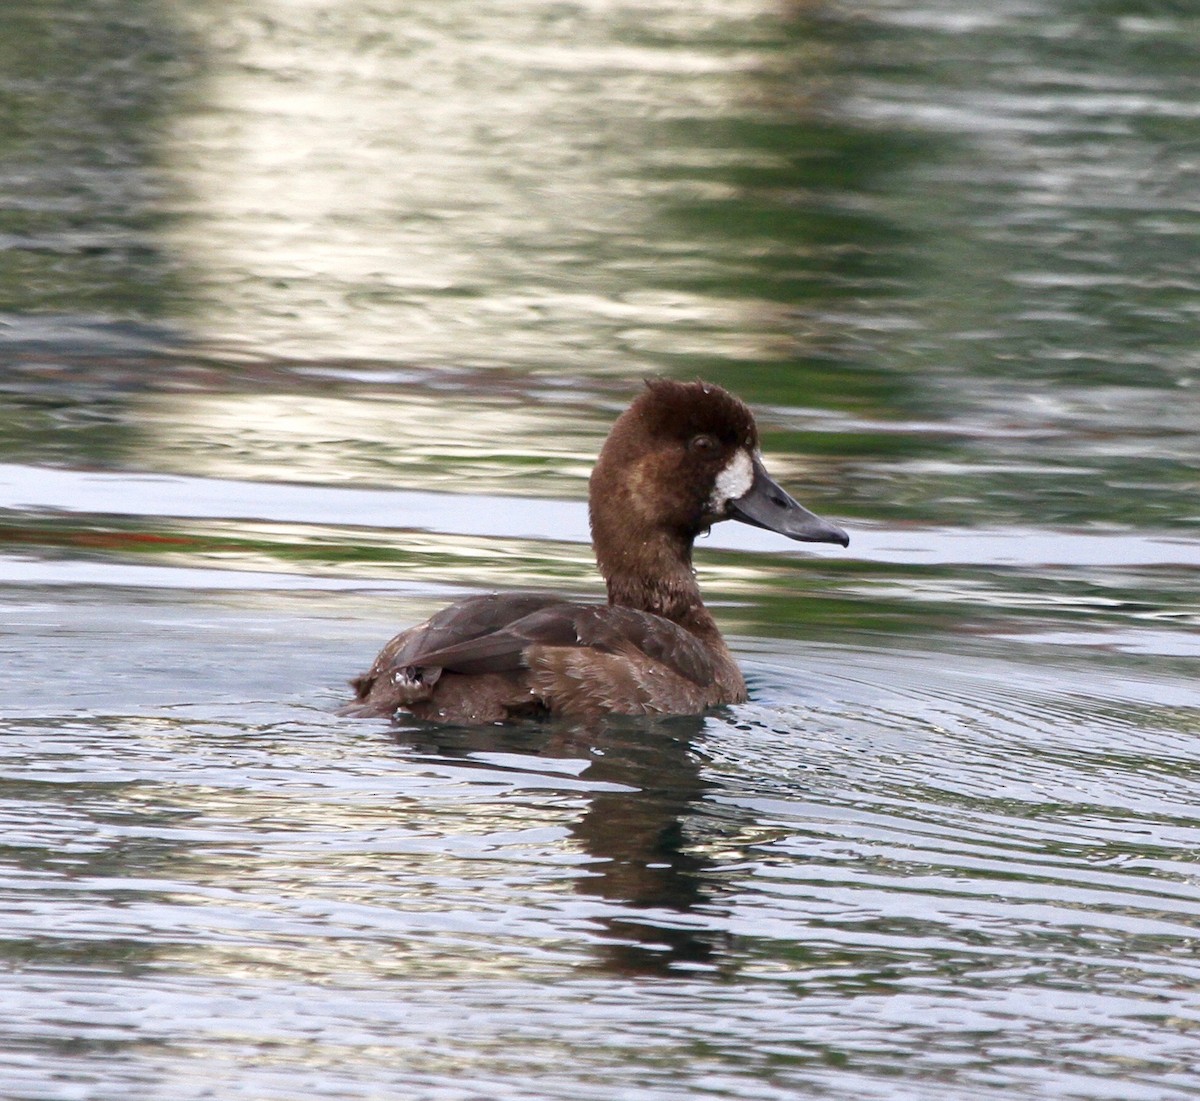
681 458
631 793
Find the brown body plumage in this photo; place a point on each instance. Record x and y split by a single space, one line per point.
682 457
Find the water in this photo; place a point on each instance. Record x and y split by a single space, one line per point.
312 318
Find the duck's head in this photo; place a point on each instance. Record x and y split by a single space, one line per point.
681 458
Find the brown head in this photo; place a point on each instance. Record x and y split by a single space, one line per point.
682 457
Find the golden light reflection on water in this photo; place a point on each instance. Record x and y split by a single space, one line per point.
409 869
441 187
410 438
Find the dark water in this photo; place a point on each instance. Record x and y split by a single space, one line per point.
312 317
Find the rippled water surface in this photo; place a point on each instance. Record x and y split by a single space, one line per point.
313 317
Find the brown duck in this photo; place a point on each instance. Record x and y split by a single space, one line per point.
682 457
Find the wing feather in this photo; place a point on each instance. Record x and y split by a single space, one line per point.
498 634
609 629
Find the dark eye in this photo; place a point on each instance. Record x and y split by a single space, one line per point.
703 445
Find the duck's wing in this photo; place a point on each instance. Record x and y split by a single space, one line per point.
559 625
519 649
458 624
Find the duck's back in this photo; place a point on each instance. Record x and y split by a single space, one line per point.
496 657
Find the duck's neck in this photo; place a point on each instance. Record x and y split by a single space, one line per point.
655 575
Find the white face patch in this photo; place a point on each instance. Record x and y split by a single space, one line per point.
733 482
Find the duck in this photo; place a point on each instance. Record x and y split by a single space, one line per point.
682 457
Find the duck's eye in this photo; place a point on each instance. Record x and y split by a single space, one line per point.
703 445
